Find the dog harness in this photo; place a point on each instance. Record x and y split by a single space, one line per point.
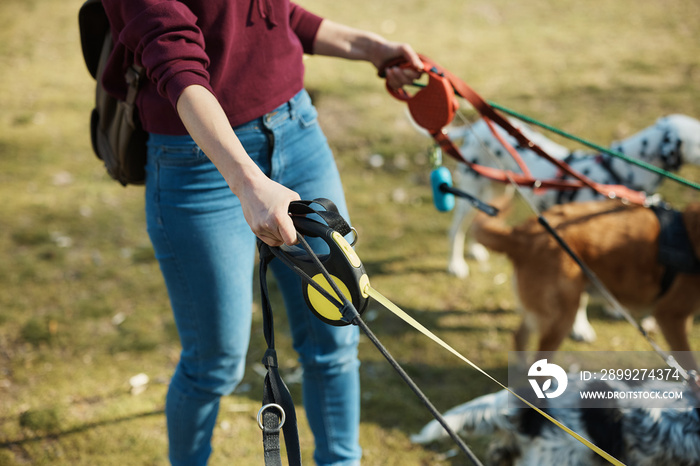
605 160
676 252
670 159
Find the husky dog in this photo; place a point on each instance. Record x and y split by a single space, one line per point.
660 436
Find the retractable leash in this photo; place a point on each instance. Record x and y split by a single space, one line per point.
327 281
277 412
342 261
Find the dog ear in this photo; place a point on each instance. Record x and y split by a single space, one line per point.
691 218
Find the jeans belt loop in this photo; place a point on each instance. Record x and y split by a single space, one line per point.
292 106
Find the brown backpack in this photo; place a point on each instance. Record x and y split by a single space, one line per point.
118 138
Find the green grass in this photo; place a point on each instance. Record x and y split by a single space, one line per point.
82 303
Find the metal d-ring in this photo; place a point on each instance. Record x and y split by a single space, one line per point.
267 406
354 236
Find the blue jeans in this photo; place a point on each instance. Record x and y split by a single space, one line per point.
206 253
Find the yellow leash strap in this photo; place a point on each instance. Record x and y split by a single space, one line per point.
381 299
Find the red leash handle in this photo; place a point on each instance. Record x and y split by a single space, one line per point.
434 107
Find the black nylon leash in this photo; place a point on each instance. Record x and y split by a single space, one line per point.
278 407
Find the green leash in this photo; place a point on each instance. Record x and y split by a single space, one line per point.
605 150
620 155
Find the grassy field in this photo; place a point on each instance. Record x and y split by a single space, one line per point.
82 304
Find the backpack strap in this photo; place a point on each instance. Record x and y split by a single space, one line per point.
134 75
93 25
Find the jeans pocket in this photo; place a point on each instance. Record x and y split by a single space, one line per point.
181 155
307 115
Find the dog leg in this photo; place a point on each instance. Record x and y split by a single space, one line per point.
553 335
583 330
675 330
674 316
463 216
556 319
457 265
521 337
478 251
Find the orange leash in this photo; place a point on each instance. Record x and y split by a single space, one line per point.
434 107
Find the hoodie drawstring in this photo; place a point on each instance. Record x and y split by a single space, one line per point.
265 11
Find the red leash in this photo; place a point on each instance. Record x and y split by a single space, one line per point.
434 107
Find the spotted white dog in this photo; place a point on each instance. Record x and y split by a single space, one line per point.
672 141
668 436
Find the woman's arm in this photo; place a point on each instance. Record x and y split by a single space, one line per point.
337 40
265 203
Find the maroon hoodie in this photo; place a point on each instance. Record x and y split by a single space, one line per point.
248 53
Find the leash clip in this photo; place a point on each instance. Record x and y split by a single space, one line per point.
355 236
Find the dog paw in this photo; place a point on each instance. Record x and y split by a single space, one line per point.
650 325
478 252
459 269
583 332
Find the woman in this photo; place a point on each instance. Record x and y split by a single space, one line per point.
233 140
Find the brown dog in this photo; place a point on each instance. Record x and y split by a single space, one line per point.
619 243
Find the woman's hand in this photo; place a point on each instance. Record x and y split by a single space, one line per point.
265 203
265 206
396 77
